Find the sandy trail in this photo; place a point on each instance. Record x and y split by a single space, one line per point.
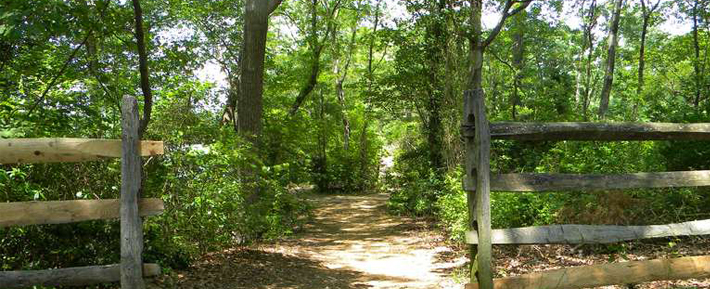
352 243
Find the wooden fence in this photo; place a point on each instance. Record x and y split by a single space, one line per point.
129 208
479 182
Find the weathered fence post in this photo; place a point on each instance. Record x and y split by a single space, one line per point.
478 172
131 223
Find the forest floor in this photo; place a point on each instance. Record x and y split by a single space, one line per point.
353 243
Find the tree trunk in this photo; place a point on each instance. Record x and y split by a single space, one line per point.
610 59
434 125
340 81
346 123
250 105
143 67
229 116
364 162
642 64
588 27
642 53
518 58
320 162
316 46
696 63
251 88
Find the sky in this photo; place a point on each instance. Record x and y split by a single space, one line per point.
211 71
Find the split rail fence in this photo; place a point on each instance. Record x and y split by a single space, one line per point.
129 208
479 182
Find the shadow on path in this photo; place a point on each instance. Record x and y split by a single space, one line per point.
352 243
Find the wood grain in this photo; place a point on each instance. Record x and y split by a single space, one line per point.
48 150
609 274
482 143
590 234
594 182
76 276
61 212
131 223
591 131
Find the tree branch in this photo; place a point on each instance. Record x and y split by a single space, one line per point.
273 4
65 65
506 14
143 68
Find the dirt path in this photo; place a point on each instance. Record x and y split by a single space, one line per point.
352 243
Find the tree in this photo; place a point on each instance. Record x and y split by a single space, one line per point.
646 13
341 72
436 38
370 74
250 104
698 10
477 47
589 21
316 46
143 67
518 58
610 58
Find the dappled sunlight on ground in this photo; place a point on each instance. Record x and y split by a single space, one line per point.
351 243
356 233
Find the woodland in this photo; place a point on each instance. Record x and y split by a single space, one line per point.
263 104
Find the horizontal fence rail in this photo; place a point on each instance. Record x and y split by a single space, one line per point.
529 182
60 212
591 234
609 274
75 276
592 131
46 150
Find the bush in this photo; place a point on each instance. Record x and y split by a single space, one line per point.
205 207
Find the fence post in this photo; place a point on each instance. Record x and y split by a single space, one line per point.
131 223
478 176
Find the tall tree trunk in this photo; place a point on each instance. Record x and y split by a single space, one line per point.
518 58
229 116
610 59
647 12
578 66
642 64
337 69
143 67
589 25
316 45
434 54
696 63
346 123
251 88
250 105
364 162
321 159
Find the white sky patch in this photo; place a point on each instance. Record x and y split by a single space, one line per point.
212 72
